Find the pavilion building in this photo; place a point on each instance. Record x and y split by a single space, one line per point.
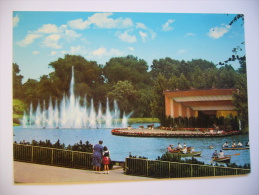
197 103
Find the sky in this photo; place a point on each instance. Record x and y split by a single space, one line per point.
42 37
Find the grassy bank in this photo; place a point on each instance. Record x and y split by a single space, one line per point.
143 120
18 109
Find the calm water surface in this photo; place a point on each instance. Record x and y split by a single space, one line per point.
120 146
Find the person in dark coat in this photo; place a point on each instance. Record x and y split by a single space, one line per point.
97 156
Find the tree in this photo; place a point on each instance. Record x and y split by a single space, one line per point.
166 67
142 105
240 101
17 82
158 101
128 68
198 78
30 92
226 77
125 94
183 83
235 50
87 72
47 88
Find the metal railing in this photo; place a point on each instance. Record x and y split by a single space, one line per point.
133 166
166 169
52 156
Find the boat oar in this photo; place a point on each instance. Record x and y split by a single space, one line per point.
212 160
233 154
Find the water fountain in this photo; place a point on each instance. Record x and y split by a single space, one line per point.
71 114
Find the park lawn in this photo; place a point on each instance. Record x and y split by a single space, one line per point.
143 120
18 109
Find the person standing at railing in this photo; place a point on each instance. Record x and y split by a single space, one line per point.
106 159
97 156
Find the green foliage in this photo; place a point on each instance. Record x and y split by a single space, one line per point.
226 77
174 158
227 123
87 72
127 68
125 94
157 103
82 147
127 80
18 107
17 82
166 67
240 100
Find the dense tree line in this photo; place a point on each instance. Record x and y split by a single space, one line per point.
129 81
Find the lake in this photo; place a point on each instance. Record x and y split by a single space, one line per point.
121 146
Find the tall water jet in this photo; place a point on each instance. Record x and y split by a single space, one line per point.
71 114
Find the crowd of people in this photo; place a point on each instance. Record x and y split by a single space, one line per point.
101 156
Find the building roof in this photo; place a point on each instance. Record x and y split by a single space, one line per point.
204 100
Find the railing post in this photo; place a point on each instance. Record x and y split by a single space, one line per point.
147 167
52 156
191 171
72 159
169 170
32 153
126 166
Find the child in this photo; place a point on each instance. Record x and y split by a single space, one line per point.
106 159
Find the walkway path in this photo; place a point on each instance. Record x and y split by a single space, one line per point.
35 173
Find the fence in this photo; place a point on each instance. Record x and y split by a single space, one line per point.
52 156
133 166
165 169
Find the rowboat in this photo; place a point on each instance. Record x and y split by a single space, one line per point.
225 159
178 150
236 148
175 151
193 154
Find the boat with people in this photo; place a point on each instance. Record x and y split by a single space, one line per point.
236 148
224 159
183 152
193 154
